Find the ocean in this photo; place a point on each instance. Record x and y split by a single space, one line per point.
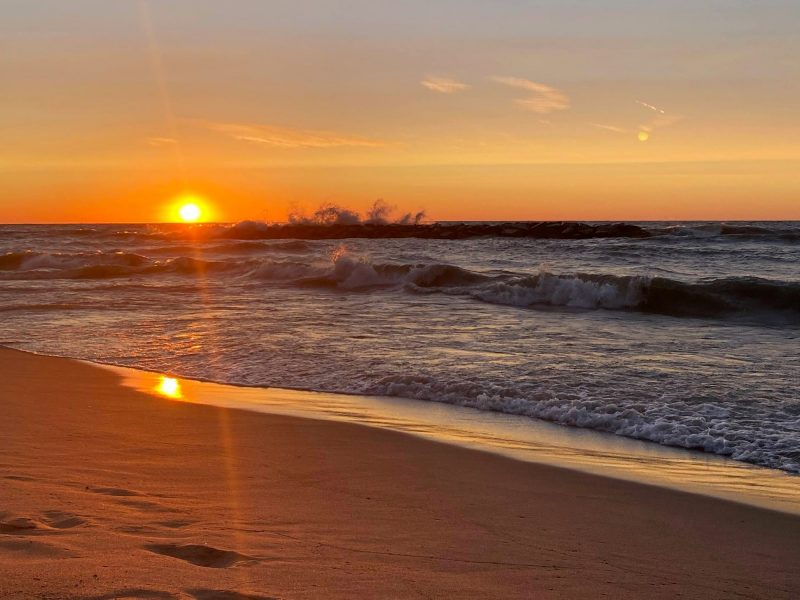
687 338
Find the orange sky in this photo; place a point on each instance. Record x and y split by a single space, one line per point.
476 110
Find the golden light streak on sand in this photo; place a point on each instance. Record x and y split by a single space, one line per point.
226 438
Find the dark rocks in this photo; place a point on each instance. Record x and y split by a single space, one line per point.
561 230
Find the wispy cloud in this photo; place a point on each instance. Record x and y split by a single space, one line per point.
651 107
443 85
644 130
284 137
613 128
161 141
660 120
543 99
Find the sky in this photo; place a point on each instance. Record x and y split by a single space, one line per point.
112 110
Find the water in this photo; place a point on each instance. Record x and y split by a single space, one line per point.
688 338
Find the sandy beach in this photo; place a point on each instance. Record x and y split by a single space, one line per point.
111 493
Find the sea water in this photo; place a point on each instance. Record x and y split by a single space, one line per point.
688 338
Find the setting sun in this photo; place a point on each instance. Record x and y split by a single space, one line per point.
189 208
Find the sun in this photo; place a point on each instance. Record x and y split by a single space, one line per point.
190 212
189 208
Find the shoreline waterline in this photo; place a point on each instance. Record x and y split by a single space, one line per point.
522 438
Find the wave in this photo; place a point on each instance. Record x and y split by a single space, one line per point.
31 265
707 426
781 232
30 261
751 296
658 295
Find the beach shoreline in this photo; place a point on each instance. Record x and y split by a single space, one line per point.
518 437
110 492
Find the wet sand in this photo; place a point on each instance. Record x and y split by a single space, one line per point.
106 492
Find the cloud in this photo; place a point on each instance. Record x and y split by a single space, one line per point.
443 85
659 121
161 141
284 137
644 130
543 98
613 128
651 107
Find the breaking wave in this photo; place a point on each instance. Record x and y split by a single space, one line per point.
709 426
658 295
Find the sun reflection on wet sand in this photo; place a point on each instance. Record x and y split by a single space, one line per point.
169 387
517 437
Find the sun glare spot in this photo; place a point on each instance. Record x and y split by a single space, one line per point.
643 136
189 212
169 387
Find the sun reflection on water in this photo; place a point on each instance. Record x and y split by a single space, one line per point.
169 387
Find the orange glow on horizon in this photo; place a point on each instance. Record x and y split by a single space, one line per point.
150 117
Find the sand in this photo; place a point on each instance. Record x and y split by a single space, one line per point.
106 492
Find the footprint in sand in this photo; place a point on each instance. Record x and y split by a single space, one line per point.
19 526
201 555
34 550
62 520
53 522
201 594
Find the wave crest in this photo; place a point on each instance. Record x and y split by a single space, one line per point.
659 295
673 422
